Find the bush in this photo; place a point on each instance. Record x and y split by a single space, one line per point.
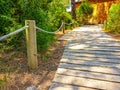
112 24
48 15
8 25
84 11
57 13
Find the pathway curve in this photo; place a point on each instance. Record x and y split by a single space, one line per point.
91 61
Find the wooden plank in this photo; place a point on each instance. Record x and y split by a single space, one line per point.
92 63
86 47
71 58
106 38
71 37
99 44
60 86
93 49
92 52
83 33
84 39
91 59
99 69
91 55
92 75
86 82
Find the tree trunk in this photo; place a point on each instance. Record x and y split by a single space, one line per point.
73 9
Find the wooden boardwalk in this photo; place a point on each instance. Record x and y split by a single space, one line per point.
91 61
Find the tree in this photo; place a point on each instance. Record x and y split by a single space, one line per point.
73 9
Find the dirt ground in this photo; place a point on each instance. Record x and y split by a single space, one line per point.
114 35
15 74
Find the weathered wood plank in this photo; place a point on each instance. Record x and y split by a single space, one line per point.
84 67
88 40
91 60
80 37
86 82
92 63
60 86
82 40
92 75
72 58
99 44
94 48
92 52
75 35
91 55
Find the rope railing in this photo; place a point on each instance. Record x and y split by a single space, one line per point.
13 33
42 30
30 27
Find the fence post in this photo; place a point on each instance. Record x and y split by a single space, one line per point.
63 28
31 44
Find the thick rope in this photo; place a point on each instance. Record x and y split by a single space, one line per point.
12 33
42 30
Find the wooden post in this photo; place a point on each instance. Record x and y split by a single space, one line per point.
63 28
31 44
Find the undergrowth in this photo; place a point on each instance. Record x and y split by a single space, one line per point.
112 24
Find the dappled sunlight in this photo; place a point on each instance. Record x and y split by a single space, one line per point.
85 32
101 69
89 82
91 59
78 46
63 88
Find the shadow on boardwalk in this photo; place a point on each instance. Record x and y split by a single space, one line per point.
90 61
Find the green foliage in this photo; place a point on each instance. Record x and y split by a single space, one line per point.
8 24
84 11
57 13
48 15
32 10
3 81
112 24
5 19
66 17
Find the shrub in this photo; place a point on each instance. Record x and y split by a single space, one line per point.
84 11
8 25
48 15
112 24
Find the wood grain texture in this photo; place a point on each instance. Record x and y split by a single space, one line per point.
60 86
31 44
91 61
93 68
92 75
87 82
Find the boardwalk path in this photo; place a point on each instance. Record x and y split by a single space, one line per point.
91 61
